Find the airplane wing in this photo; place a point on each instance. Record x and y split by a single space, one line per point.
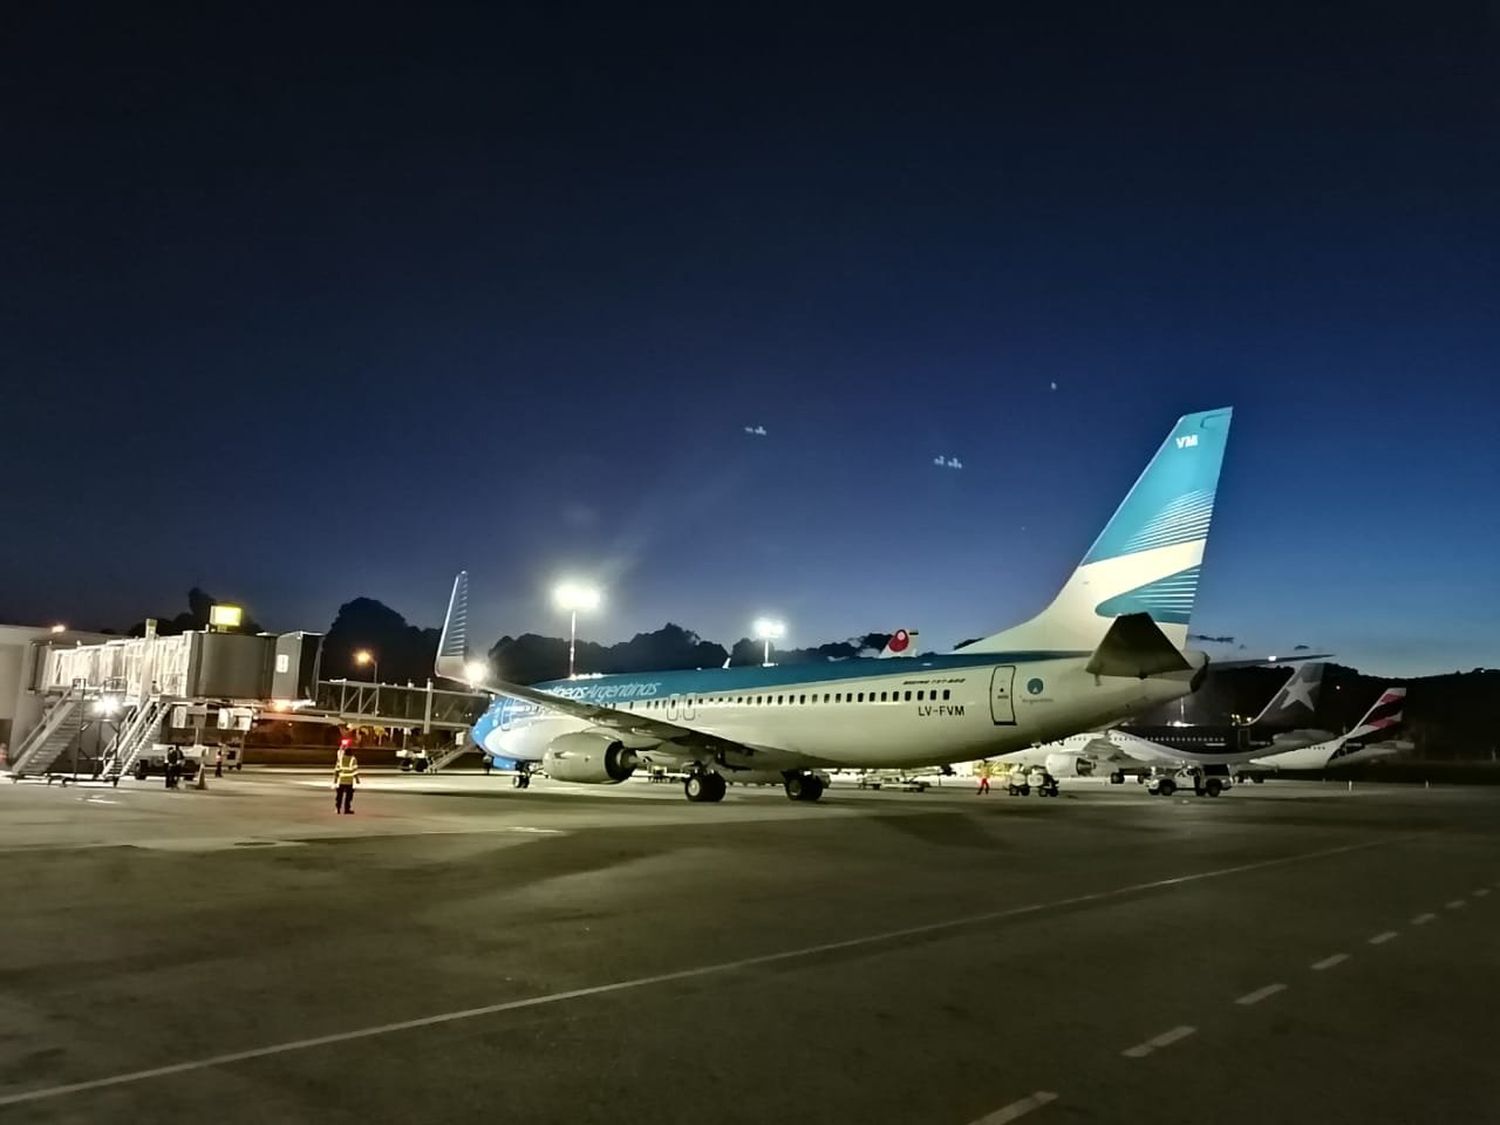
1218 665
660 737
1144 750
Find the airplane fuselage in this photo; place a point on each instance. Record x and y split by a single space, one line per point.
856 713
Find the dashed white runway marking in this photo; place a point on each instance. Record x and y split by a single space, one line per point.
1260 994
629 984
1423 919
1457 904
1329 962
1381 939
1480 892
1165 1039
1017 1108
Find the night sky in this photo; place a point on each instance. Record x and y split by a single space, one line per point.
306 304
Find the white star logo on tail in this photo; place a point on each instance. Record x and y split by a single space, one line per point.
1298 690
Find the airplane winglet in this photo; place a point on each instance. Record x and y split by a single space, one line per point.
1136 646
453 645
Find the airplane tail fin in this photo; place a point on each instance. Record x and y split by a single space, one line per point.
1384 716
1297 701
1147 558
453 645
902 643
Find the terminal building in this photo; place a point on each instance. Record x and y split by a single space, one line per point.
87 705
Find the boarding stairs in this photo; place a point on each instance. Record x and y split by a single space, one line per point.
50 739
448 756
136 736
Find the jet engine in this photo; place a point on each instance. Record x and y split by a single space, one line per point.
592 757
1070 765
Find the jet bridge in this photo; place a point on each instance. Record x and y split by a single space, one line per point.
132 692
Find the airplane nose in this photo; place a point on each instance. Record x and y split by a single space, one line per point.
482 727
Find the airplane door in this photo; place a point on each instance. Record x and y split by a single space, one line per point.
688 708
672 702
1002 706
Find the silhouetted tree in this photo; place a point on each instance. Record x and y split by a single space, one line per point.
404 652
530 658
200 601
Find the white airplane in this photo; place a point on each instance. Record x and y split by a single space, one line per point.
1370 738
1108 646
1083 755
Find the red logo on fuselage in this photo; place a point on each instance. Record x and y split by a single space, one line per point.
899 640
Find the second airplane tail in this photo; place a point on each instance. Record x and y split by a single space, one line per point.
1297 701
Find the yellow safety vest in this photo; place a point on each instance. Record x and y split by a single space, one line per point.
347 771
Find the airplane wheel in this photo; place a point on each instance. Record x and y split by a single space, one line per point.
697 787
803 787
1214 787
1025 790
1259 779
716 787
1117 778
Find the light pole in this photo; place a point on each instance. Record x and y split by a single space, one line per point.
767 630
570 598
365 656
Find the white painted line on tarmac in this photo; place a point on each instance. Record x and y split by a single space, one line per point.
1017 1108
1319 966
1457 904
1480 892
1423 919
1381 939
1165 1039
631 983
1260 994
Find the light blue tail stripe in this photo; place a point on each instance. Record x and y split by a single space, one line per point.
1168 600
1173 501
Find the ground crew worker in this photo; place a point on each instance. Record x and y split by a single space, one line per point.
984 778
345 778
219 762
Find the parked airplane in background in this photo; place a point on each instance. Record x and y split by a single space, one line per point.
1134 748
1108 646
1372 737
903 643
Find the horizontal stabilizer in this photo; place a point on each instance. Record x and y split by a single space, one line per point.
1136 646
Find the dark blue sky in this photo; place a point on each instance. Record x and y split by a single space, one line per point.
307 305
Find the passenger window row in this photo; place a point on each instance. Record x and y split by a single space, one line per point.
799 699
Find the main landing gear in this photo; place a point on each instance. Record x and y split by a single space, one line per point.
704 785
522 779
803 786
